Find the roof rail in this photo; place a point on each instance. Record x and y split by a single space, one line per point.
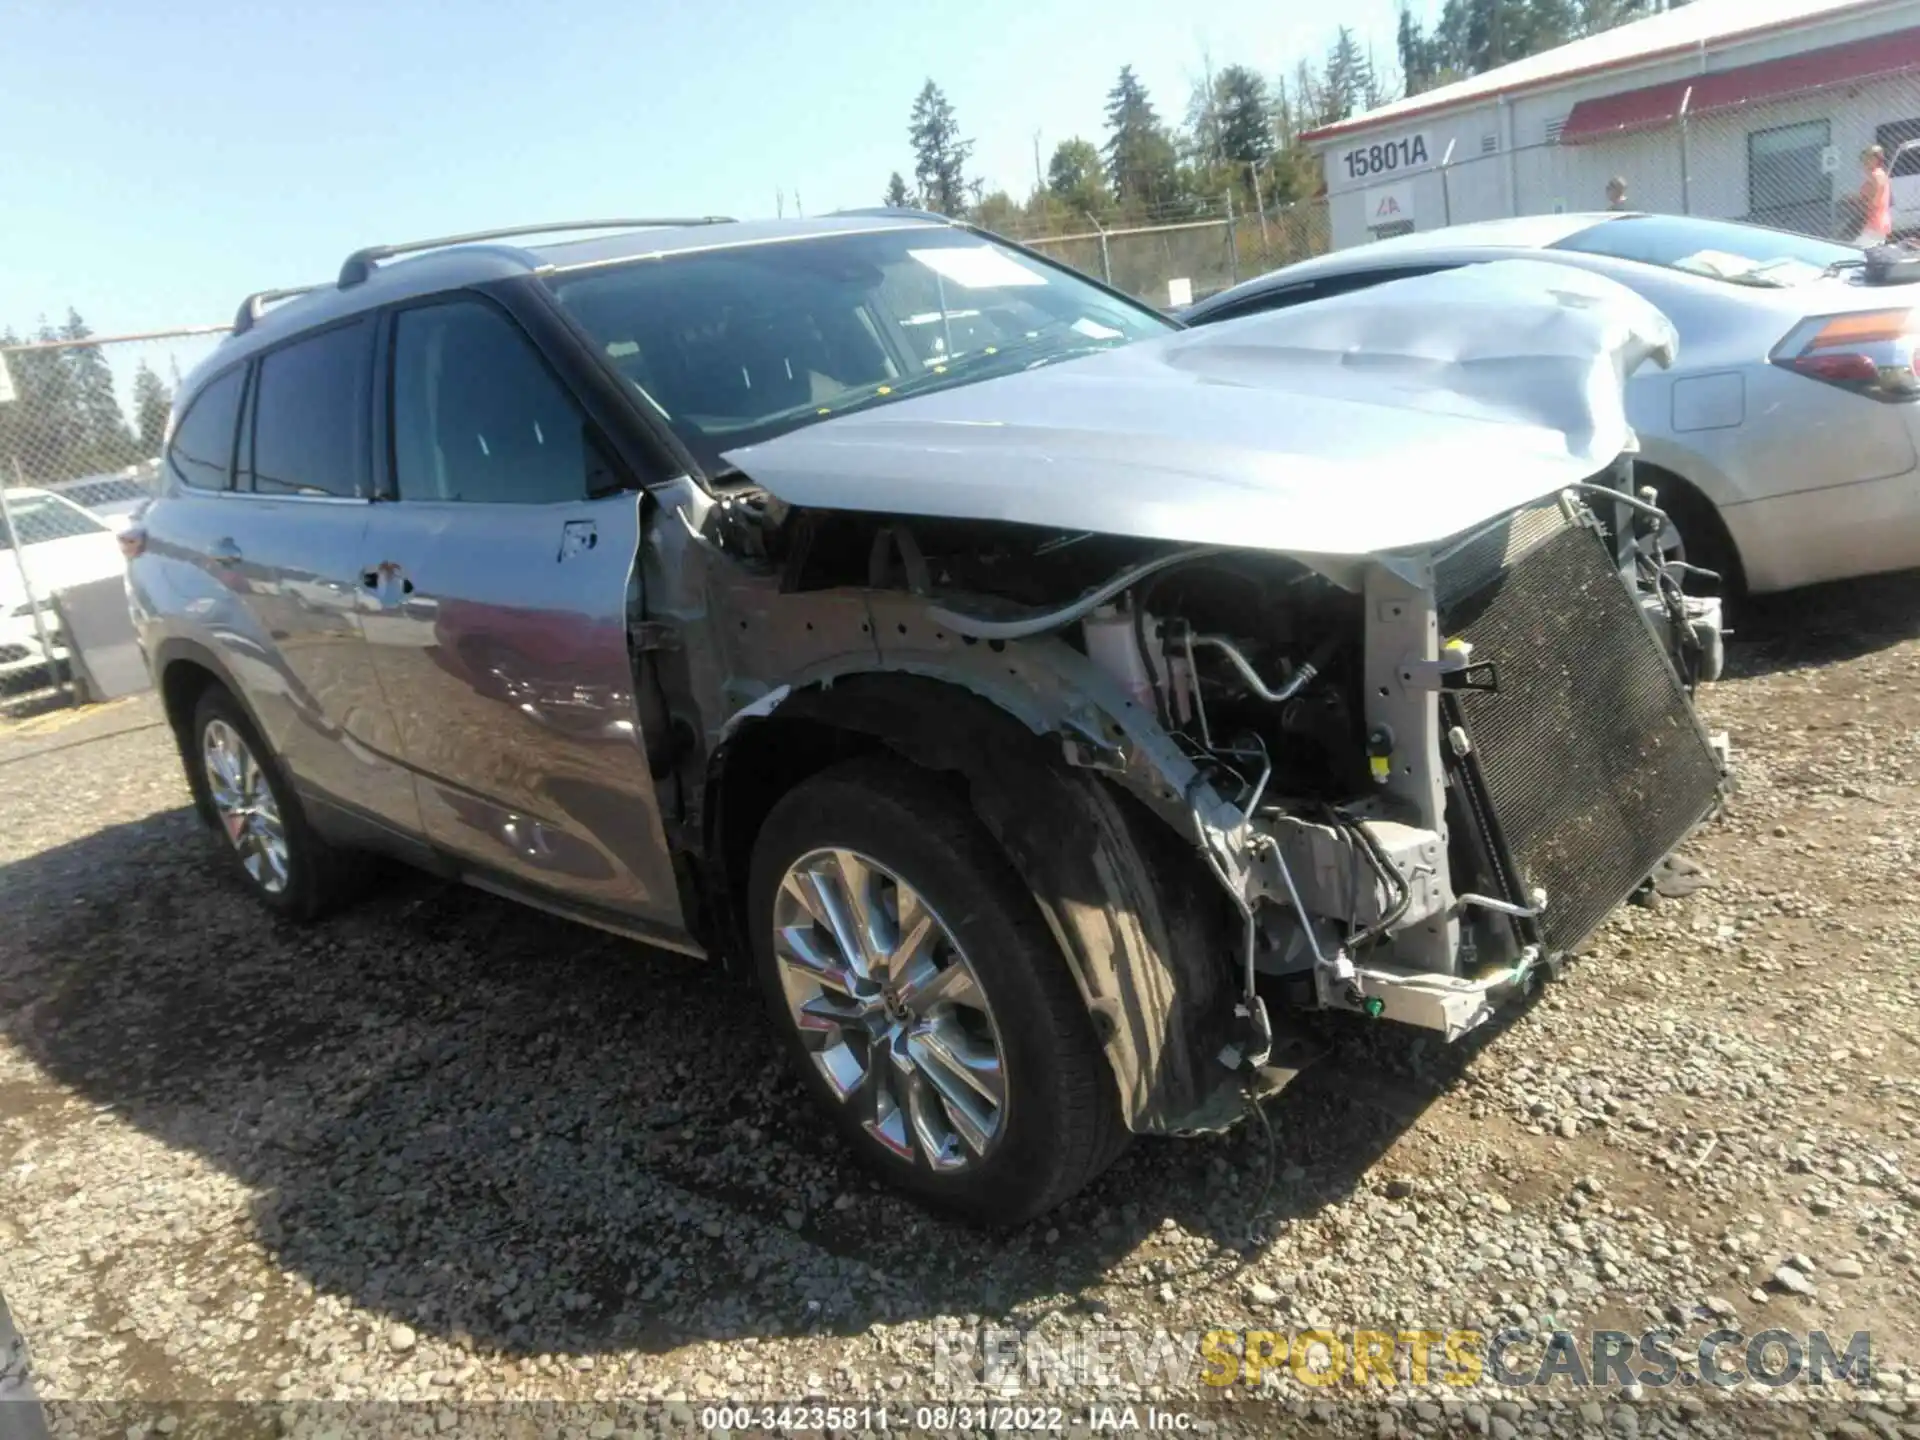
892 212
359 264
255 304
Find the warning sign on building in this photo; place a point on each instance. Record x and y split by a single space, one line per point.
1390 205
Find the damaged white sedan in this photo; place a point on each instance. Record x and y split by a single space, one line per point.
1041 701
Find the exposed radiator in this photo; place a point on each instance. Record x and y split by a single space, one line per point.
1590 758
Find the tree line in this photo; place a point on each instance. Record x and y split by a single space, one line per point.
1238 141
66 420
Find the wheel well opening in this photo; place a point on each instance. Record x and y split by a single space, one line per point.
181 686
1691 509
760 764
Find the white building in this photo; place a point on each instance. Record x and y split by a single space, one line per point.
1740 109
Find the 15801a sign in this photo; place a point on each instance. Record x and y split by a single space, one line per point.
1388 157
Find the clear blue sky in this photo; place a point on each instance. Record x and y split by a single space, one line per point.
158 161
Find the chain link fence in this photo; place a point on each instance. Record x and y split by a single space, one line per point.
1205 248
82 422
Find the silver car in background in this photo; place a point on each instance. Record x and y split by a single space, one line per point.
1782 441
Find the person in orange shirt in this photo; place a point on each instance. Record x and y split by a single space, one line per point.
1876 199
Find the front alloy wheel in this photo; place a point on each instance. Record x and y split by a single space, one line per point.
244 804
889 1009
922 996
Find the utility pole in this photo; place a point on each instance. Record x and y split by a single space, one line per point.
1039 185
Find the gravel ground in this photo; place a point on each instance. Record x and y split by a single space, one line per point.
443 1149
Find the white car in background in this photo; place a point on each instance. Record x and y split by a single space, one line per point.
56 544
1784 441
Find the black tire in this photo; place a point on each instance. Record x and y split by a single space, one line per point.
318 876
1062 1123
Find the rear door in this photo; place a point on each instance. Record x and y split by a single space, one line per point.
499 580
275 514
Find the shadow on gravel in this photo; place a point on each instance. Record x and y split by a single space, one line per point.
483 1122
1824 624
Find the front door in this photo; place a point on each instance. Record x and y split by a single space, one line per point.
497 589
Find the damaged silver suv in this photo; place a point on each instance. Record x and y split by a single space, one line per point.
1040 700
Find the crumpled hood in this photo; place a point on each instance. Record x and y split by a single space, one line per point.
1383 419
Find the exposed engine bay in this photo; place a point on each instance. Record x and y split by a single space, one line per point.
1354 774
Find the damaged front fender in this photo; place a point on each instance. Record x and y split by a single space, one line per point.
1144 931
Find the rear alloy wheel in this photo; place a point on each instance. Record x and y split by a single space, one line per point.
257 817
245 808
924 1001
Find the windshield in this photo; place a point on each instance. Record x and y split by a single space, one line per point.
45 517
738 344
1722 249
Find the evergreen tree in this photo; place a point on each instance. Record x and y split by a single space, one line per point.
898 196
1141 161
1075 178
150 405
1480 35
1243 112
940 155
1349 87
104 441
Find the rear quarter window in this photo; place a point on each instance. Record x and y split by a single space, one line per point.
201 454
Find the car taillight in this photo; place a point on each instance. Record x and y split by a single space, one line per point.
1871 353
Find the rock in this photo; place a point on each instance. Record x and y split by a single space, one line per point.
1719 1308
795 1219
713 1229
1792 1281
1260 1293
1569 1127
401 1339
1499 1204
1399 1189
1846 1268
1502 1428
1591 1413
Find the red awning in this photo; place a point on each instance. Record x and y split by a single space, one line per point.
1652 106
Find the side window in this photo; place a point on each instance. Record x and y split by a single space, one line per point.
202 451
477 415
309 415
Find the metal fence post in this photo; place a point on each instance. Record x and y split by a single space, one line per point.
1106 261
18 543
1686 165
1233 241
1446 188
